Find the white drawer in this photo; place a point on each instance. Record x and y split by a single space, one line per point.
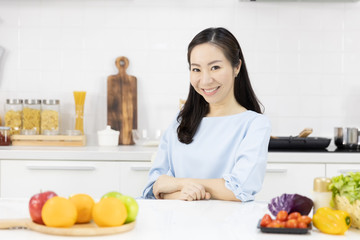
25 178
134 177
333 170
289 178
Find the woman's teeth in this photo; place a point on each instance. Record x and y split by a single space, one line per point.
210 90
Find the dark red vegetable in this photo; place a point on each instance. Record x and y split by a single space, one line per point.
291 203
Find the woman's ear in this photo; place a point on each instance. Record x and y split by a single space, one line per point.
238 67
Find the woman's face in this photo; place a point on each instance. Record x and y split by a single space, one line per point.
211 74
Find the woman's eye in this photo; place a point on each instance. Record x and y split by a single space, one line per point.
195 70
215 67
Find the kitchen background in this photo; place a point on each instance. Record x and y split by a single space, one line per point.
303 57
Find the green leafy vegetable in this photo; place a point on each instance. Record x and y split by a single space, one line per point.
348 186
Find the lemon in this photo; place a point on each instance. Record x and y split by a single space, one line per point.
59 212
109 212
84 205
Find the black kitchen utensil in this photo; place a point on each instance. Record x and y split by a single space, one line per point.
298 143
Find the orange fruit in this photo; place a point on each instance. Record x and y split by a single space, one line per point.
109 212
59 212
84 205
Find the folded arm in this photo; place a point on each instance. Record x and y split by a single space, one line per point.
167 187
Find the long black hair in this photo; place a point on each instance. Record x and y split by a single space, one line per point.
195 107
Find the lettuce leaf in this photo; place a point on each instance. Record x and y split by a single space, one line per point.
347 186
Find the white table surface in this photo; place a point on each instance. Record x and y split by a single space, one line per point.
172 219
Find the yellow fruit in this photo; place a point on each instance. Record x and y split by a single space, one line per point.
84 205
59 212
109 212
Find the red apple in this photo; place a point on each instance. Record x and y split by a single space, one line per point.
36 204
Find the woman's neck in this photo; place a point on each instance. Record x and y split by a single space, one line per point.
218 110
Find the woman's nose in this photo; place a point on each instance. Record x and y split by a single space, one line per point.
206 77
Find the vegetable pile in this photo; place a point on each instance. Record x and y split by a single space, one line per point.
347 186
346 195
285 220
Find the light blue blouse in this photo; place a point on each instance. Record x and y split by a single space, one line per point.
230 147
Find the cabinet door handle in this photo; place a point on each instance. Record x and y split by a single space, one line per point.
276 170
343 171
140 168
72 168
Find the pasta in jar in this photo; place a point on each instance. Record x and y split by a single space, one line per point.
31 115
13 115
50 117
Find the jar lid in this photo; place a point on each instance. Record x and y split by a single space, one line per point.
32 101
321 184
51 101
108 131
28 132
14 101
4 128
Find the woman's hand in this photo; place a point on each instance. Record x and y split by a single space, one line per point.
165 185
193 191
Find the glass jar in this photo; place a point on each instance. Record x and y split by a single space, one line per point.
13 115
5 136
50 116
31 115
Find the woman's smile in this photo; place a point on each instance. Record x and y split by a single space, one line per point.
210 91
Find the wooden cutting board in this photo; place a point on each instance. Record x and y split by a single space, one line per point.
122 102
88 229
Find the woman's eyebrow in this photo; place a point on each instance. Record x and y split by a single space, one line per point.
210 63
215 61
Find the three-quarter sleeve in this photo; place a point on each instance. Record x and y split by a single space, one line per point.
160 166
247 175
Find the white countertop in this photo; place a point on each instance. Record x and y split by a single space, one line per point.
139 153
175 219
119 153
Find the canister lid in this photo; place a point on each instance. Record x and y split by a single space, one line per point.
108 131
14 101
321 184
51 101
32 101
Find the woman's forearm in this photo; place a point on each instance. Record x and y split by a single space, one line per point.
167 187
216 187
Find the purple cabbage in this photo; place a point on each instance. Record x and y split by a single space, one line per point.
291 203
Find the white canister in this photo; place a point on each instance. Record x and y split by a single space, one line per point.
321 195
108 137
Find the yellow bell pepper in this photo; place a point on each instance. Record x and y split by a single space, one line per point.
331 221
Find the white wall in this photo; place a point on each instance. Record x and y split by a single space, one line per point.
303 57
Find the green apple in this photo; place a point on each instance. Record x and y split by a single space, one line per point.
132 207
112 194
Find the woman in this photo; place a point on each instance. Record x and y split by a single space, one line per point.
217 146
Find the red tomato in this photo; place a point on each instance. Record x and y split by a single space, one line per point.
281 223
302 225
273 224
282 215
265 220
304 219
292 223
294 215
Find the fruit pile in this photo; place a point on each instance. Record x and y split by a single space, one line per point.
112 210
285 220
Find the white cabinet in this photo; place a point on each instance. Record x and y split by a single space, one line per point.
333 170
134 177
23 178
289 178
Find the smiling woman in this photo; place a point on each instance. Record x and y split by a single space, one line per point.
217 145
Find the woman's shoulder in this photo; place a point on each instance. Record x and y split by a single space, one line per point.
258 118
